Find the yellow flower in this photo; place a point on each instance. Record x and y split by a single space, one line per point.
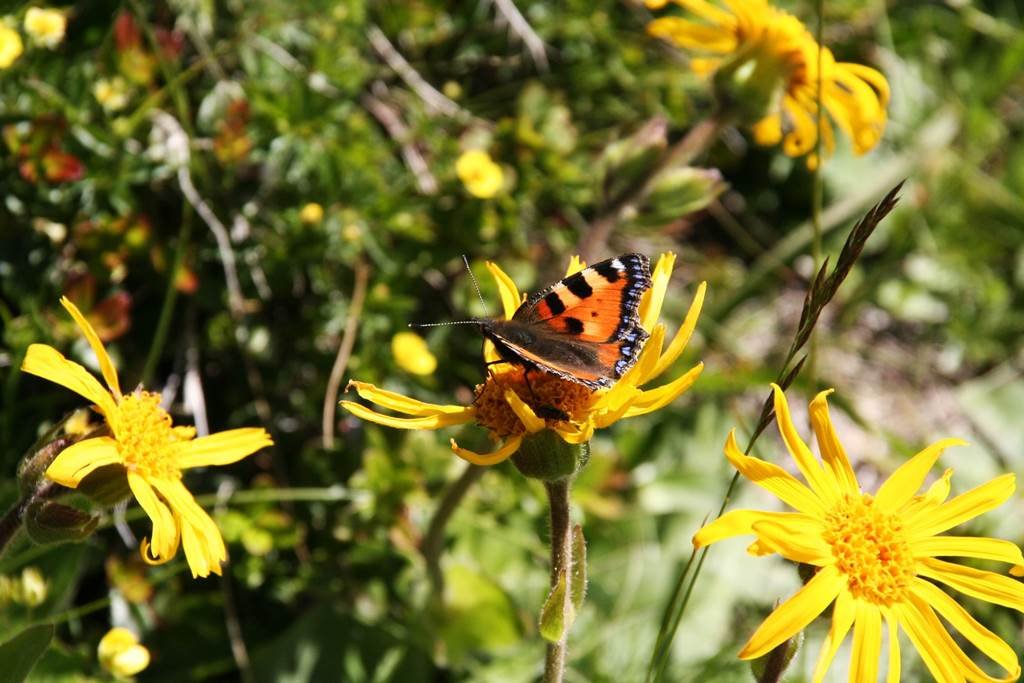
481 176
153 452
751 39
34 588
45 26
874 555
507 407
311 214
10 45
411 353
120 653
111 93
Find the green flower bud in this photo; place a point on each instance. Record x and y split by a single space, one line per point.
680 191
547 457
49 522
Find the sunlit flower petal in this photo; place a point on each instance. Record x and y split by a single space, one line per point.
106 365
876 552
511 299
683 334
504 452
524 412
81 458
222 448
653 299
48 363
794 614
816 477
435 421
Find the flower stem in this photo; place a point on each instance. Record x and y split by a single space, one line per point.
433 540
696 141
10 524
561 566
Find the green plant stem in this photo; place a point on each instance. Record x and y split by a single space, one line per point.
561 565
170 295
12 521
433 539
818 186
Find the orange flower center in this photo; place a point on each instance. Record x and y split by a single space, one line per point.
144 434
871 549
552 398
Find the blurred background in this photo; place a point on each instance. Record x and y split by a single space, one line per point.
233 192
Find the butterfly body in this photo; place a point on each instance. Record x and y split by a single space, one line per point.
584 328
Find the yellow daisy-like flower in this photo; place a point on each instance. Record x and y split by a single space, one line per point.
11 46
478 172
46 26
507 407
877 556
153 452
119 653
771 50
311 214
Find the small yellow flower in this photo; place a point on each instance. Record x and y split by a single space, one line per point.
120 653
33 589
411 353
478 172
45 26
877 556
11 46
507 407
311 214
753 39
111 93
153 452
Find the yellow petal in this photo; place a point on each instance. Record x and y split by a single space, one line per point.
683 334
798 540
204 546
106 365
871 76
119 652
510 297
222 448
575 265
531 422
653 299
908 478
967 546
894 665
625 398
399 403
842 619
977 583
504 452
704 66
656 399
47 362
741 523
932 498
968 505
983 639
705 10
773 479
428 422
792 616
79 459
867 644
832 452
688 34
820 481
930 639
576 433
165 527
768 131
800 140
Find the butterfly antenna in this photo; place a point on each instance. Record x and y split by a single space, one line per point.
446 324
476 285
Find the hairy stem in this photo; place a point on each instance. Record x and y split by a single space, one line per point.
561 565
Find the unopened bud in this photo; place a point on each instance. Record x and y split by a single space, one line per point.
547 457
680 191
33 589
49 522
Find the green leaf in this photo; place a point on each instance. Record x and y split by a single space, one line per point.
19 654
557 615
578 588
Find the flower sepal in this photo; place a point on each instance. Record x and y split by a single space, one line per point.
547 457
38 458
49 522
106 486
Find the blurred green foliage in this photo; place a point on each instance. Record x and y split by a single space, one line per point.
263 108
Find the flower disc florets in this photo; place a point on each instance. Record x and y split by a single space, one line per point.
551 398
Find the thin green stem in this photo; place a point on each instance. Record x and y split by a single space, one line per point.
561 566
818 189
433 539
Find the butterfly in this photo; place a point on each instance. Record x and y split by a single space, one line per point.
584 328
